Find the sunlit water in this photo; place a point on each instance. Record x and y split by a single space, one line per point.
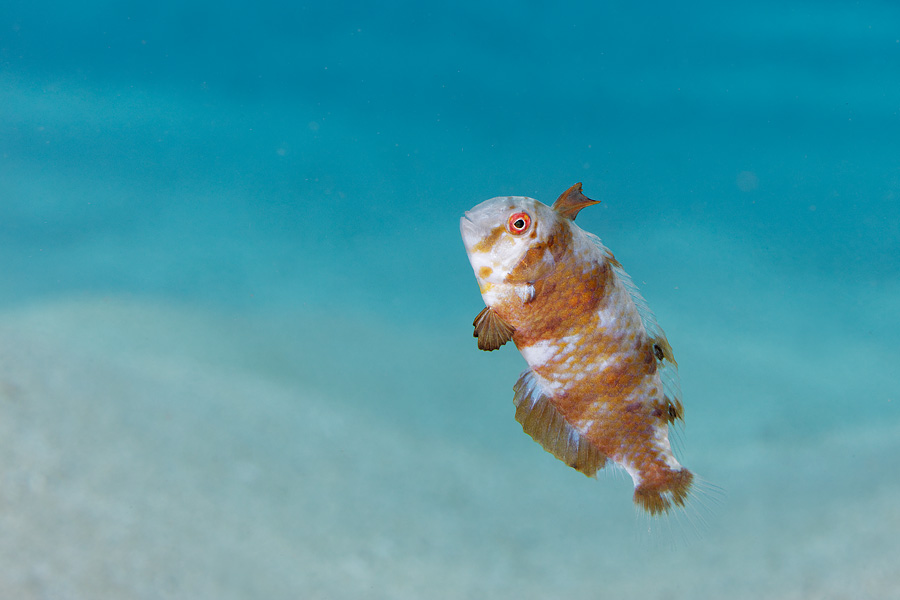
237 356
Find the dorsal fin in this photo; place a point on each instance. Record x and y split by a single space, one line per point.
491 331
668 367
571 201
545 424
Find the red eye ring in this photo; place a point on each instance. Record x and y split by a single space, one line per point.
518 223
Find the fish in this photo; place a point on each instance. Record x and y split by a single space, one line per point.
602 382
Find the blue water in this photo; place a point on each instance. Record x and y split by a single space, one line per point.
274 189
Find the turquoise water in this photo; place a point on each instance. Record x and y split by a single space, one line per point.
237 310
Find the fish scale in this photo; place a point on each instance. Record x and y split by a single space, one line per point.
602 383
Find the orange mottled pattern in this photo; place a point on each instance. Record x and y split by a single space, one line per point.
602 364
602 382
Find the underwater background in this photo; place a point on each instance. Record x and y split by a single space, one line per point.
236 352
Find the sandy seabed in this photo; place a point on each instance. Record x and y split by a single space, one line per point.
153 451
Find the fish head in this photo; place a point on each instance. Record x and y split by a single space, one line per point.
512 240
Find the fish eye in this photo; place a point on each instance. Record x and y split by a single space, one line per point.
518 223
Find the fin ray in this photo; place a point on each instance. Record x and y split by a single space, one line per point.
670 494
571 201
546 425
491 331
668 367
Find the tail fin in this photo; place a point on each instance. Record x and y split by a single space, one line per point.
661 495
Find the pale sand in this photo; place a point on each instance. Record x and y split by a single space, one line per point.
159 452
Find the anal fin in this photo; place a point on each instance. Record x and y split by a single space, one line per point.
491 331
546 425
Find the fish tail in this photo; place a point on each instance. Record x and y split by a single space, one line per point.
664 492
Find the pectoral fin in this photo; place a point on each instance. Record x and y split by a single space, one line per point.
491 331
